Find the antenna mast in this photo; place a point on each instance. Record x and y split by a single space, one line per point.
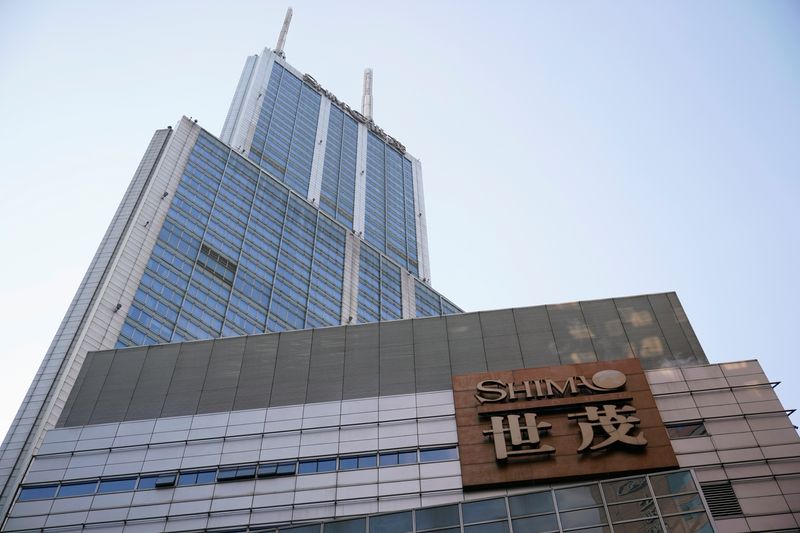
366 100
282 35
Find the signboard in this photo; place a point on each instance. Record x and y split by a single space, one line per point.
558 423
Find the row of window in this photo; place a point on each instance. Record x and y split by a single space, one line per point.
237 473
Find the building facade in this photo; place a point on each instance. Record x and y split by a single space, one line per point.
315 218
362 428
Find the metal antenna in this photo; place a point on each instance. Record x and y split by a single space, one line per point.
282 36
366 100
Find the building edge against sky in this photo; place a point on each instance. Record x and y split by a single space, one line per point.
361 239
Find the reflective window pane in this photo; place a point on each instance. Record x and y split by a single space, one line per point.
673 483
37 493
689 523
536 524
391 523
688 430
534 503
481 511
680 504
584 517
577 497
627 489
117 485
631 510
437 517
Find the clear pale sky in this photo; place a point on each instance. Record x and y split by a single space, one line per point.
570 150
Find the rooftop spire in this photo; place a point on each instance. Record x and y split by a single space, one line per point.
282 35
366 100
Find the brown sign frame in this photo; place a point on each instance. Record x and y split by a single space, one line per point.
480 466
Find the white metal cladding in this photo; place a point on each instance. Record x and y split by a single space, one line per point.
237 104
244 111
750 440
324 429
352 254
321 143
360 201
94 319
423 255
726 397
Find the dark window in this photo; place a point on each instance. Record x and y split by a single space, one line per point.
37 493
388 458
189 478
80 488
166 480
481 511
237 473
438 454
391 523
117 485
534 503
683 431
437 517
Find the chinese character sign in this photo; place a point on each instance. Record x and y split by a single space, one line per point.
558 423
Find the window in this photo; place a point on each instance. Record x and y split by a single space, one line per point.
687 430
277 469
237 473
147 482
81 488
165 480
358 461
438 454
313 466
117 485
37 493
197 478
398 458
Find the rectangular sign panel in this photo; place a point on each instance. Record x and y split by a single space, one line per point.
556 423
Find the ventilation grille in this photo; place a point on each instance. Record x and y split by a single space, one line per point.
721 499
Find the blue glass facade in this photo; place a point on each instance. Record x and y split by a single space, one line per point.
339 171
283 142
239 253
390 221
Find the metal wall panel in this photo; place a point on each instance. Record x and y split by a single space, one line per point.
369 360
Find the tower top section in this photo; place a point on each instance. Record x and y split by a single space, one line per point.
282 36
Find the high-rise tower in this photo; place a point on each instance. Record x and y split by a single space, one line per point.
304 214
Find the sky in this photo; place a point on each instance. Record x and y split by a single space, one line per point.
570 150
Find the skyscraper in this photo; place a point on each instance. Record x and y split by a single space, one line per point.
310 216
370 404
